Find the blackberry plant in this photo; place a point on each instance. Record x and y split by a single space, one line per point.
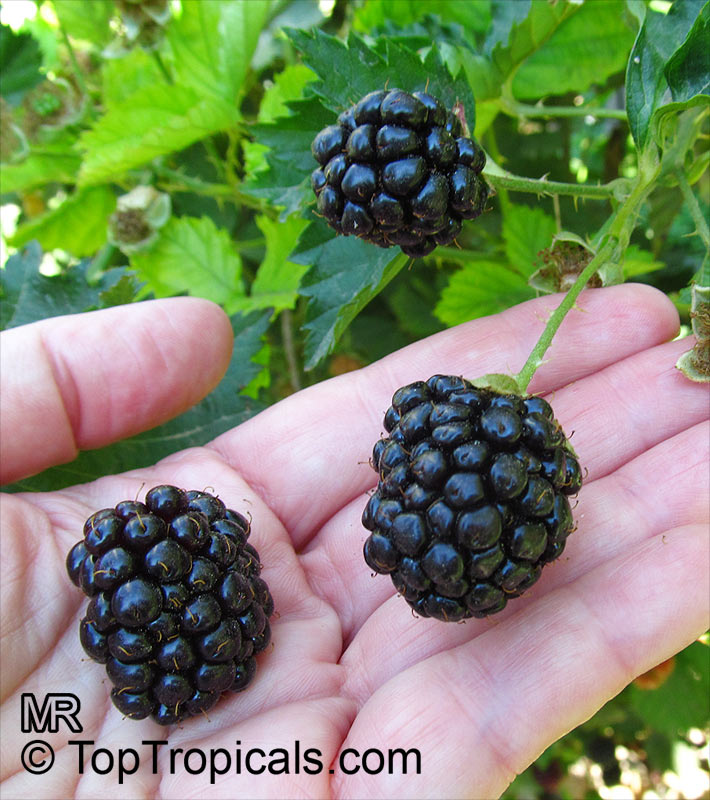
177 611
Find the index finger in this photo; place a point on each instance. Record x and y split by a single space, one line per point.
307 455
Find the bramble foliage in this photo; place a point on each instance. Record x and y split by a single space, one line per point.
169 153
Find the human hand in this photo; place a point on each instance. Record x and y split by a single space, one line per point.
350 666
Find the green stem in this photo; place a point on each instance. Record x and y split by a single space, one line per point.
163 69
75 64
182 182
501 178
516 109
696 213
535 359
290 349
611 248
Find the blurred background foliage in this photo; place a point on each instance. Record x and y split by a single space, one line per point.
155 147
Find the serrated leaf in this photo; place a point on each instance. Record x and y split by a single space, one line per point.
221 410
480 288
348 72
286 183
77 226
526 231
277 279
504 15
585 49
39 169
681 702
646 86
346 274
151 122
688 69
194 256
288 86
28 296
212 44
528 34
86 20
20 63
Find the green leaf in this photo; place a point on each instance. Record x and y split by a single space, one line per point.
682 701
212 44
639 262
39 169
288 85
526 231
20 63
480 288
86 20
346 274
221 410
28 296
347 72
286 183
688 69
504 15
376 13
77 226
277 279
194 256
525 35
121 77
585 49
151 122
646 86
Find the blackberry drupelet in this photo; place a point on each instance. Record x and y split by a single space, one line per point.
178 611
397 169
472 498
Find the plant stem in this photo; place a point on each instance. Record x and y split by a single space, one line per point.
290 349
163 69
499 177
701 224
75 64
523 110
612 246
182 183
525 375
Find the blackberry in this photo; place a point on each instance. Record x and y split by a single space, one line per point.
178 609
397 169
472 499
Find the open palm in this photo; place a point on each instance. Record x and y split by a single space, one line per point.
351 669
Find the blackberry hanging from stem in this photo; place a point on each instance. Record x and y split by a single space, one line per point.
397 169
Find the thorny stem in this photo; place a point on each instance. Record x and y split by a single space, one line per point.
535 358
611 248
501 178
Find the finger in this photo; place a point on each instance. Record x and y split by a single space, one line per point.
499 700
616 414
83 381
616 514
327 432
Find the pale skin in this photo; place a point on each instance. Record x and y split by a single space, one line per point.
350 666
